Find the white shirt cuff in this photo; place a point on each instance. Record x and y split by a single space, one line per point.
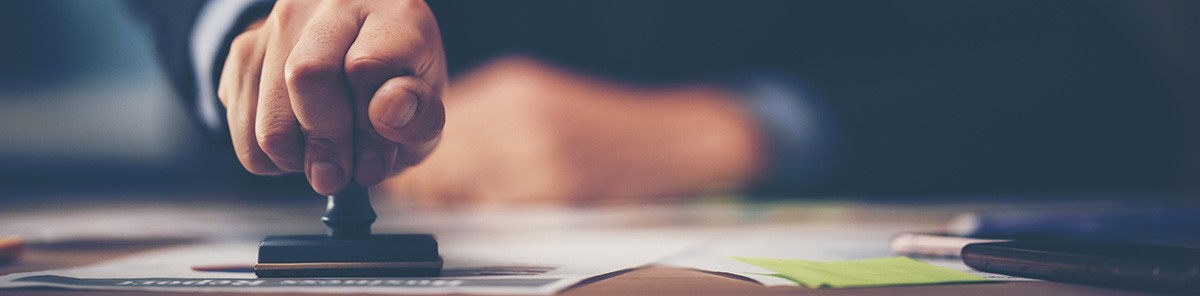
216 19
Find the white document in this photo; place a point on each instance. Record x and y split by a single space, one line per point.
514 252
477 264
810 241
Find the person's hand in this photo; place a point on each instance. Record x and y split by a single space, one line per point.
521 131
339 90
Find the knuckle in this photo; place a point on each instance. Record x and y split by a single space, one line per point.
323 144
410 4
278 138
243 42
420 8
275 123
303 72
223 94
284 10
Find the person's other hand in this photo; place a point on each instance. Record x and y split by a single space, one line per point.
339 90
522 131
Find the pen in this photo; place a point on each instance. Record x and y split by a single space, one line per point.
1092 224
931 245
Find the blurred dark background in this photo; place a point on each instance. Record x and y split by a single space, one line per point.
932 97
85 107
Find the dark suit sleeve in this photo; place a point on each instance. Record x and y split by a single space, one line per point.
172 24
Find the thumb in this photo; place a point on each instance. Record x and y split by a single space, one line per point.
407 110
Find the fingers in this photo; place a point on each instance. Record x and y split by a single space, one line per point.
365 72
321 100
238 91
337 90
374 155
381 52
411 155
276 129
405 104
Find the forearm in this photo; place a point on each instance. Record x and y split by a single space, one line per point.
710 139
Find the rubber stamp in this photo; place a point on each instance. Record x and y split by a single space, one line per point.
349 249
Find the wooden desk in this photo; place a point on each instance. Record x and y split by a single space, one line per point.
653 280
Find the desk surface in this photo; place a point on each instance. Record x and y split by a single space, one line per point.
653 280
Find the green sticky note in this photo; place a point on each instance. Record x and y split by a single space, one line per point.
874 272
